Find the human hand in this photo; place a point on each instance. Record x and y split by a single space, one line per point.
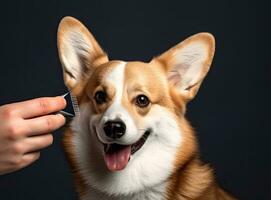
25 129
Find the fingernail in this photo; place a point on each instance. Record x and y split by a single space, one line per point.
63 100
62 116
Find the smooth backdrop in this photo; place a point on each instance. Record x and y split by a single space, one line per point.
229 112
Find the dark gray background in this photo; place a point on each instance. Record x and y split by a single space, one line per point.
229 113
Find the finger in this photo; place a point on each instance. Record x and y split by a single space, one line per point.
44 124
28 159
36 143
40 106
14 163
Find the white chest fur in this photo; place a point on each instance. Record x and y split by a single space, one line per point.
156 193
142 177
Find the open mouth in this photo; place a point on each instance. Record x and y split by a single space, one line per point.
117 156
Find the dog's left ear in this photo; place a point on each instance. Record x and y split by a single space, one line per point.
188 62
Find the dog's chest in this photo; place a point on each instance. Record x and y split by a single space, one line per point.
156 193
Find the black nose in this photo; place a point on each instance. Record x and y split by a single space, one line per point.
114 129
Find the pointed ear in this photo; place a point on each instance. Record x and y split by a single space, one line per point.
187 63
78 50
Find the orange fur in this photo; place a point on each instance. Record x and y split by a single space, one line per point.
191 179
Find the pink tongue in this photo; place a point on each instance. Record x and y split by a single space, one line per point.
117 160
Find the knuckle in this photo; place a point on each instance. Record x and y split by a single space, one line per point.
8 112
13 132
44 104
49 124
18 149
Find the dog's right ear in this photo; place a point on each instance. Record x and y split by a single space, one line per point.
78 50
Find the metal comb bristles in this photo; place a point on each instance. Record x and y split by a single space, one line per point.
72 108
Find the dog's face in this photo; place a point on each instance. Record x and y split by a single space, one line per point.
131 132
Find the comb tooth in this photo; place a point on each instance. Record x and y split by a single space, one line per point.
72 108
75 104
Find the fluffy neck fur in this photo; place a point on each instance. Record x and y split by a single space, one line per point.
192 180
195 180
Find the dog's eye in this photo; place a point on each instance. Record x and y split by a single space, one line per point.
100 97
142 101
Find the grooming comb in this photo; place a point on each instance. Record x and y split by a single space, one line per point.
72 108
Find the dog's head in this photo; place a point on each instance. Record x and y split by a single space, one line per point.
131 132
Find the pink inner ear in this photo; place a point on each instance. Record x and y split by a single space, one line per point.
177 73
174 77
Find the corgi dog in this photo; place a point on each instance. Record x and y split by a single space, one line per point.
131 140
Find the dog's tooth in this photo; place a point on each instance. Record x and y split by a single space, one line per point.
107 147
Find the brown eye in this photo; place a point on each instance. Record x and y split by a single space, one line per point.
100 97
142 101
